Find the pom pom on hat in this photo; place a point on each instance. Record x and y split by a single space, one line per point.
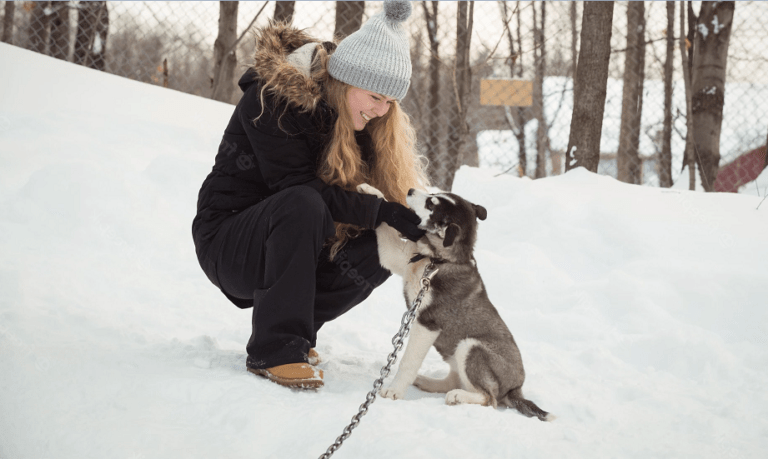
397 10
377 57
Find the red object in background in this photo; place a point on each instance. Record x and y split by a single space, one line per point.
740 171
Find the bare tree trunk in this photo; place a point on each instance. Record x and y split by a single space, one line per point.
689 59
91 37
688 156
39 27
99 43
692 20
60 31
225 54
540 54
457 126
665 160
284 11
574 46
592 80
433 90
85 27
349 18
628 158
516 115
710 56
521 112
10 11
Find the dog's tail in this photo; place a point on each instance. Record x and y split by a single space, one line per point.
514 399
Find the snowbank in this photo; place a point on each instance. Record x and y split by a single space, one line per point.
640 312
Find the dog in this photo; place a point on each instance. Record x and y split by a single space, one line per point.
455 316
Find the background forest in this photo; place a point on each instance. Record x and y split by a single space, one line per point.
647 109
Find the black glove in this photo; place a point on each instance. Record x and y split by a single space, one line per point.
400 218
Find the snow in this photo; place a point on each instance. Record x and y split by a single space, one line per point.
703 30
640 312
716 26
759 187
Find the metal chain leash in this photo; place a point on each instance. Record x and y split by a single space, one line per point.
397 342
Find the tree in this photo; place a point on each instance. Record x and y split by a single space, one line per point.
349 18
665 160
39 27
574 44
540 60
592 80
10 10
59 45
225 54
433 90
686 43
91 37
628 158
688 155
462 80
710 56
284 11
517 117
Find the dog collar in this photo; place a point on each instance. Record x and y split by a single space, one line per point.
420 256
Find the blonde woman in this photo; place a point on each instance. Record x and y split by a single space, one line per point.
279 226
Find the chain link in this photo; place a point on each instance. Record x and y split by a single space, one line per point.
397 342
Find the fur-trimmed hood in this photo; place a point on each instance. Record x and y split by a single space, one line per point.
298 79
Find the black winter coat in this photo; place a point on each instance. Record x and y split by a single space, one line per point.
282 148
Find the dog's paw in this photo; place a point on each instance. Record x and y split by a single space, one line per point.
364 188
460 396
393 393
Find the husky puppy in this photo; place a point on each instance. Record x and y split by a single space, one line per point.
456 315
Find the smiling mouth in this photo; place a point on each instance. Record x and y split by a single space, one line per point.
365 117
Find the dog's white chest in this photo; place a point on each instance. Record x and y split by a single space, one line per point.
412 283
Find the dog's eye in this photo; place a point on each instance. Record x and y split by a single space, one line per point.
429 205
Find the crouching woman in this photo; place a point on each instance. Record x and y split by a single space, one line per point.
279 227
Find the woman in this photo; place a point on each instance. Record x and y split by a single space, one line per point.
279 226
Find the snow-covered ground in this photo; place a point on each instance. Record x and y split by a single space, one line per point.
640 312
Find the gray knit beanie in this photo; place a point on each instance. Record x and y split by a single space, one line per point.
377 57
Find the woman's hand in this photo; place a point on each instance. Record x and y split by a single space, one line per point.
400 218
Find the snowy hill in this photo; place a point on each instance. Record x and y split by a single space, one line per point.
640 312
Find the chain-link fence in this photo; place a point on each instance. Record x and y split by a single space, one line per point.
459 117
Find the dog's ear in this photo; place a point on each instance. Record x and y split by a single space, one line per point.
480 212
451 232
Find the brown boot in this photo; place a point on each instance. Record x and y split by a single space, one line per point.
297 375
313 357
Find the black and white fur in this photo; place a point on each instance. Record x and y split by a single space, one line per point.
456 315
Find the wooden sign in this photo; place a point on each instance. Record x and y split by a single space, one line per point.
516 93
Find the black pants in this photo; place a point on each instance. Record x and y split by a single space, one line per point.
271 257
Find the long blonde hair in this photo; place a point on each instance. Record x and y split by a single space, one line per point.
395 165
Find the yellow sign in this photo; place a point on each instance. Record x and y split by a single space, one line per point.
516 93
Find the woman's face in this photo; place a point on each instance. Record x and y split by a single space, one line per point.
365 105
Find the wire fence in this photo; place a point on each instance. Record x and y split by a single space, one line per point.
528 48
